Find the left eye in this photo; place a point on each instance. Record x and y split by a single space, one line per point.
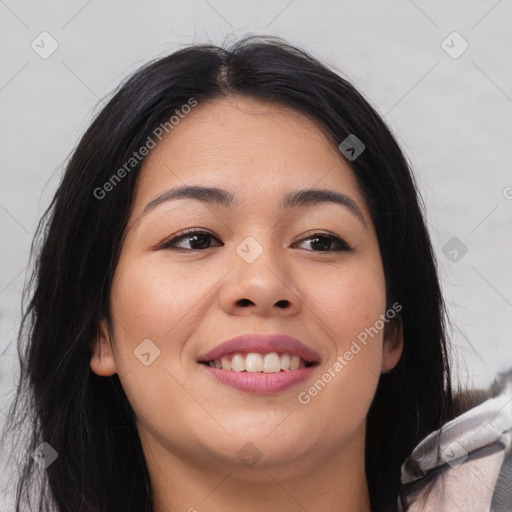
325 242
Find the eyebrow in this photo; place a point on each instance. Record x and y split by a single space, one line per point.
219 196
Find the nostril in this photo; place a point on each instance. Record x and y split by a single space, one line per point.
282 303
244 302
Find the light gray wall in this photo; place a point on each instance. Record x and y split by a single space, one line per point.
451 115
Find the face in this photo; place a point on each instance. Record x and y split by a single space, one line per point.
311 270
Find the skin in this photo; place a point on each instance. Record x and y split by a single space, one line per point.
188 301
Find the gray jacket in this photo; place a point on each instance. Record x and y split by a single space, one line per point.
467 464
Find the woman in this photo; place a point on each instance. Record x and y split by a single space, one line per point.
236 303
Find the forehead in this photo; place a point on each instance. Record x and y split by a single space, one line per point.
258 150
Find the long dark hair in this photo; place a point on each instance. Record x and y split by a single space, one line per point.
87 419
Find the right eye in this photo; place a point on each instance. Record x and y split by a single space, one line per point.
200 239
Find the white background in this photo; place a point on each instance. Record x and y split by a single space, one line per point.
452 117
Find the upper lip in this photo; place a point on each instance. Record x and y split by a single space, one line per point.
261 343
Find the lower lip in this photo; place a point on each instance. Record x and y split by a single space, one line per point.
259 382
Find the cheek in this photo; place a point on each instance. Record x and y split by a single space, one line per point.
153 301
149 302
349 305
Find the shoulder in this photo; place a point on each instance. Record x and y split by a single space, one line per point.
468 462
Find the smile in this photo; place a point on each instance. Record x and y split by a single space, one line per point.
255 362
262 374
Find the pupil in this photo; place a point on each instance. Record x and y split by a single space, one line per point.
322 243
195 237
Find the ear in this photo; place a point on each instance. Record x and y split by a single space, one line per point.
102 362
393 344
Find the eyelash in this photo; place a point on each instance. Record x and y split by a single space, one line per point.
188 233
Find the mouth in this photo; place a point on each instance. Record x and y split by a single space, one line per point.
260 374
261 364
271 362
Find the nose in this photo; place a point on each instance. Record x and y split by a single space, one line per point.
264 287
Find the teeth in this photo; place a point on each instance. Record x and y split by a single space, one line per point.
285 361
271 363
238 363
254 362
